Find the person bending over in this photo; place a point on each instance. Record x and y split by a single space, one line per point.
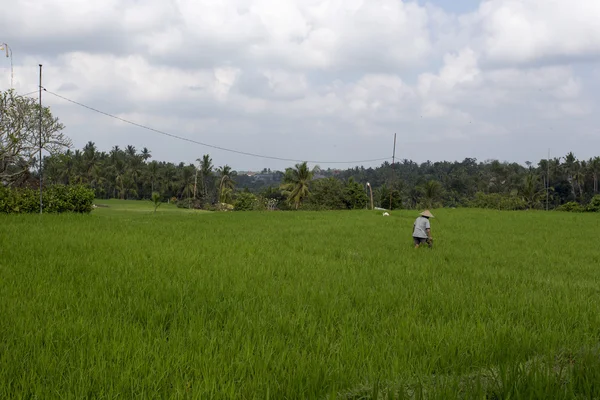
422 229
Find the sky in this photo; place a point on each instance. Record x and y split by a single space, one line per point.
327 81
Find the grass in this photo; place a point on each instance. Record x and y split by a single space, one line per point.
112 206
121 304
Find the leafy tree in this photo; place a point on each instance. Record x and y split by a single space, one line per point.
20 137
326 194
354 195
245 201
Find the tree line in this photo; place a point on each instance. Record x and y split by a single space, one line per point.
128 173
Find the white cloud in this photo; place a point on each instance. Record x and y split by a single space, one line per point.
314 78
525 31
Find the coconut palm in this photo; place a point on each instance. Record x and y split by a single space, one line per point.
206 171
432 193
594 167
226 183
145 154
295 184
153 172
531 191
569 168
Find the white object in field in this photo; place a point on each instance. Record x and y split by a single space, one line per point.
386 214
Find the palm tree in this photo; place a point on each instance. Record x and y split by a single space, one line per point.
226 183
145 154
187 182
543 172
295 183
89 159
531 192
569 167
130 151
432 192
206 170
579 173
153 171
594 167
134 169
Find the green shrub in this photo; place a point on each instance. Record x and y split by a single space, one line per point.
499 201
55 199
246 201
594 205
191 203
571 206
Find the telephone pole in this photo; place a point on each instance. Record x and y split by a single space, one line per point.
548 180
393 162
41 204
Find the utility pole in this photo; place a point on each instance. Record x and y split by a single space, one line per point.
41 204
548 180
393 162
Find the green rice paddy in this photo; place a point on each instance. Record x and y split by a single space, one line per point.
127 303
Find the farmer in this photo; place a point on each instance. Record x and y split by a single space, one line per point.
422 229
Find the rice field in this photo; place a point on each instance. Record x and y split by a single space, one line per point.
127 303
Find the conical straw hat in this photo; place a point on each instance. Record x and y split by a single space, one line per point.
427 214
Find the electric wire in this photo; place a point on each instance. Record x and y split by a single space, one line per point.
206 144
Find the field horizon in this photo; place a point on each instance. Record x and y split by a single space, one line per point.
126 302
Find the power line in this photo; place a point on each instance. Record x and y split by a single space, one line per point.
206 144
28 94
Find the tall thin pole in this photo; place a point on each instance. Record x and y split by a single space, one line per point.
371 191
393 162
40 98
548 180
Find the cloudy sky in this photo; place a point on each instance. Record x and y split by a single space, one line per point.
322 80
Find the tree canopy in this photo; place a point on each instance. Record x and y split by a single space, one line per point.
131 174
20 138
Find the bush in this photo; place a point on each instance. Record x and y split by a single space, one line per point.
594 205
246 201
499 201
571 206
190 203
55 199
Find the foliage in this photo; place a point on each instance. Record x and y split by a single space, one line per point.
191 203
298 305
226 184
383 194
594 205
326 194
295 184
432 193
355 196
246 201
497 201
156 200
128 174
20 136
571 206
55 199
532 192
